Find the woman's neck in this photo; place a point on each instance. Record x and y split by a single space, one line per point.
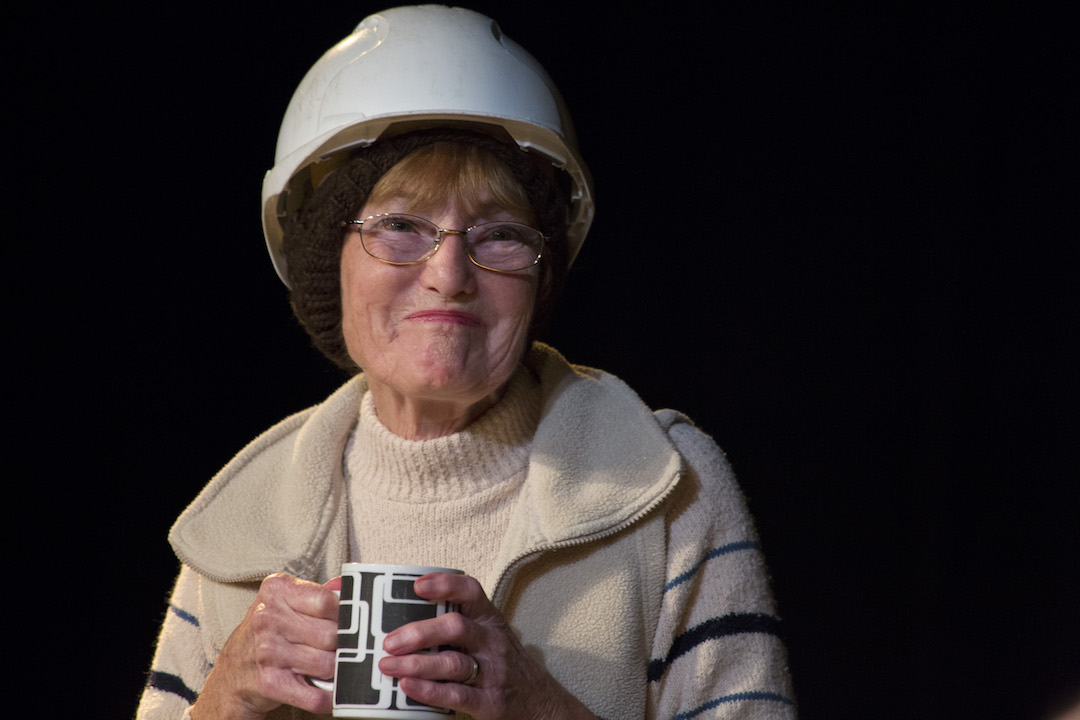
419 418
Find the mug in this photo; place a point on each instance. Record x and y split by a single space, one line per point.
376 599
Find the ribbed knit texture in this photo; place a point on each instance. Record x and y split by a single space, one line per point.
444 502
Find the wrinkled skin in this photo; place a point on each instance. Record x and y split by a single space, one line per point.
290 634
437 341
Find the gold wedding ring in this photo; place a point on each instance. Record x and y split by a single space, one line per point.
475 671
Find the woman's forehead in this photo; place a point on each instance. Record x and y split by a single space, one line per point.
445 174
432 207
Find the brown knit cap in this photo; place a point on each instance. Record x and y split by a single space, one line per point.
313 235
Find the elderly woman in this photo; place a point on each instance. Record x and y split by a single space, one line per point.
424 216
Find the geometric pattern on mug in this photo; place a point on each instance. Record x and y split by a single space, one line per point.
373 604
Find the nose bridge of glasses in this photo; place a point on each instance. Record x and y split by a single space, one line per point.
464 234
440 234
467 236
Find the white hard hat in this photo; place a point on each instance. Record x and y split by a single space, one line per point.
411 68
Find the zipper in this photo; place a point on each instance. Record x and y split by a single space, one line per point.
527 555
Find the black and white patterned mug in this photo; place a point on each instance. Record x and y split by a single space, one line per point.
375 600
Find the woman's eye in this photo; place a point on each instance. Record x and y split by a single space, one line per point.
504 234
398 225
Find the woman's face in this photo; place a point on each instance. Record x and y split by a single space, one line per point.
443 333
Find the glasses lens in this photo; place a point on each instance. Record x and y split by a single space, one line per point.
398 238
505 245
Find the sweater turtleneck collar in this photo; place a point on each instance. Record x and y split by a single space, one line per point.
491 450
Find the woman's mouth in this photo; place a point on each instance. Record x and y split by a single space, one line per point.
453 317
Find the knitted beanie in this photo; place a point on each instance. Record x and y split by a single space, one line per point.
313 235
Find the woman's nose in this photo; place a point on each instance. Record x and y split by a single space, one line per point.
450 271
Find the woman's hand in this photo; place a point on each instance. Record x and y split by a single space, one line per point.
288 634
510 683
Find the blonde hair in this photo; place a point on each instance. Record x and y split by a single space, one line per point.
471 175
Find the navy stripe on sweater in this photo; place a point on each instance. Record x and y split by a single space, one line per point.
185 616
714 553
735 697
167 682
733 624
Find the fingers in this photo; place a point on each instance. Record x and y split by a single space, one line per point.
293 612
288 688
301 596
461 698
461 589
452 629
462 629
273 652
279 631
445 666
289 633
441 680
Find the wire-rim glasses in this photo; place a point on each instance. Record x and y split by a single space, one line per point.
402 239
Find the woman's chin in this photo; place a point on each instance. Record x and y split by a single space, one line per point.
451 385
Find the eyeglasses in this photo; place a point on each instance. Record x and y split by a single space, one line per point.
400 239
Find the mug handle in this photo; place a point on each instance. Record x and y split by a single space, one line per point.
327 685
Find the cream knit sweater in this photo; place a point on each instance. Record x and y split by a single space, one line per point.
457 491
629 562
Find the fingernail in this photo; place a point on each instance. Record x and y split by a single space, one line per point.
391 643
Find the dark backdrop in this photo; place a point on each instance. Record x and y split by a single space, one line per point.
838 238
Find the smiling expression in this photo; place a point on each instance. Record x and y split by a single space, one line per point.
442 331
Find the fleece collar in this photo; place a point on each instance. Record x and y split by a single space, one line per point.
599 460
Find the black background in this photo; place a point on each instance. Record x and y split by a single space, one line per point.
836 236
